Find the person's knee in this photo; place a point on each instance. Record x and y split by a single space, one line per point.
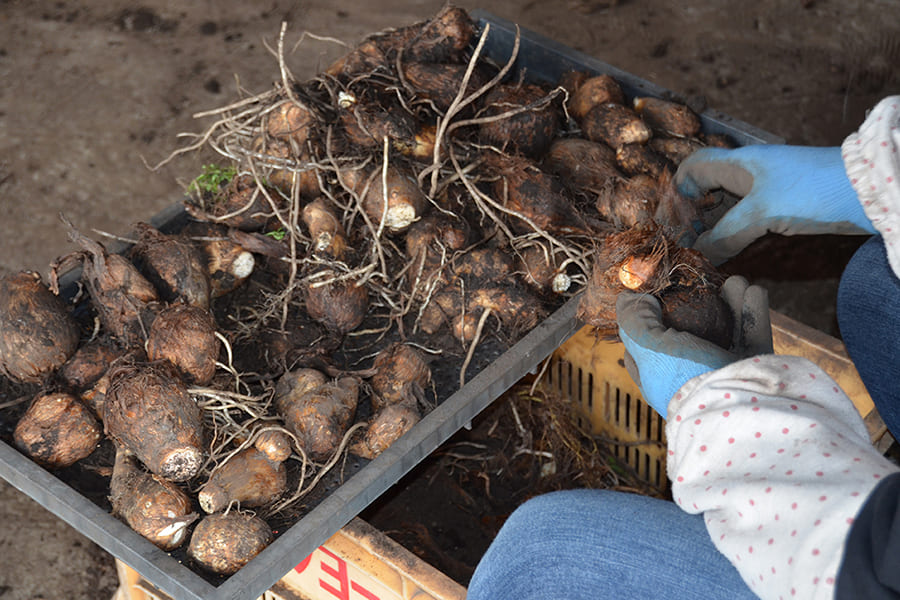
867 272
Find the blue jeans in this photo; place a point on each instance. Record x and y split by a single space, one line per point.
868 312
598 544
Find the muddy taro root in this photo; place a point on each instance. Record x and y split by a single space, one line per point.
401 373
149 411
175 266
386 427
57 430
125 301
249 478
642 259
529 132
319 414
89 363
224 542
37 332
154 507
185 336
340 306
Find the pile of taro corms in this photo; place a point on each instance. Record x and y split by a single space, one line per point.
368 230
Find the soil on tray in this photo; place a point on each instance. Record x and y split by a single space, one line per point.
528 442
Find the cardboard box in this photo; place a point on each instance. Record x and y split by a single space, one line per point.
356 563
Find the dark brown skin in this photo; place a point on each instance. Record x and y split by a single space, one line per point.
401 375
278 176
157 509
421 146
443 38
675 149
249 478
89 363
37 332
175 266
320 416
486 265
95 396
386 427
149 411
571 81
536 196
615 125
57 430
675 214
431 242
185 336
641 159
528 133
364 58
630 202
368 121
668 117
538 268
594 91
123 298
222 543
701 312
436 234
440 82
340 306
582 165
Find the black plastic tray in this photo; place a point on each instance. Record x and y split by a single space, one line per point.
545 60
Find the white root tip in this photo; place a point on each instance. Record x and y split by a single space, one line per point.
400 217
561 283
243 265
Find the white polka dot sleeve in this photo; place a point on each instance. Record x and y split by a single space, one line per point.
872 161
778 460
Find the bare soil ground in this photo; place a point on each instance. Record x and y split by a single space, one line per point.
94 92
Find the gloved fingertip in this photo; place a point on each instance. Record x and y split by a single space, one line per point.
756 323
733 291
687 187
632 369
708 246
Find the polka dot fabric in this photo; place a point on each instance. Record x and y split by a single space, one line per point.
778 460
872 161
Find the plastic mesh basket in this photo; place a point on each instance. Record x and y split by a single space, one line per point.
591 373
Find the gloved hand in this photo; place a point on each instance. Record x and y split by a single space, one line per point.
785 189
661 360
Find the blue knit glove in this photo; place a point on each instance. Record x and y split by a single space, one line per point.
785 189
661 360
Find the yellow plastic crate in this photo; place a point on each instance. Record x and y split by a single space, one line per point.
592 374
